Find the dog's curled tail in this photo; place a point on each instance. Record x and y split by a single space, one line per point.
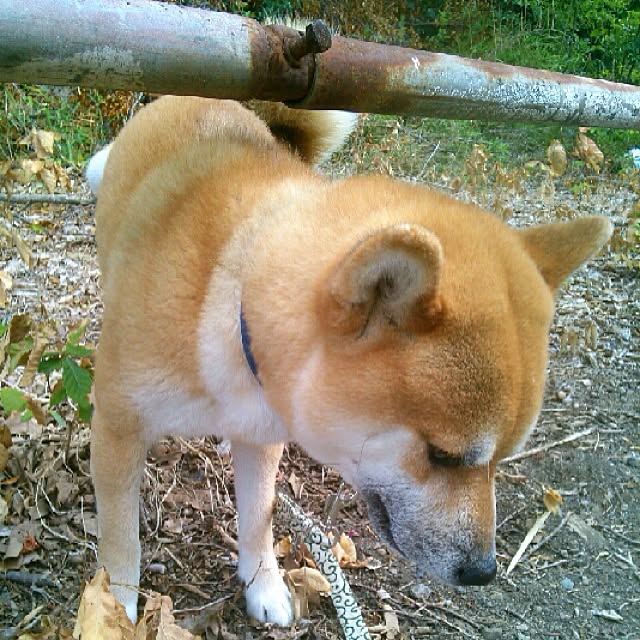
314 135
95 168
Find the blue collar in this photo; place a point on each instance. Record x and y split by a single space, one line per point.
246 346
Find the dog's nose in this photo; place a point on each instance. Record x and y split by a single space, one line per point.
478 573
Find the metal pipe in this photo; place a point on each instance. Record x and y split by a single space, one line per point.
149 46
159 48
364 76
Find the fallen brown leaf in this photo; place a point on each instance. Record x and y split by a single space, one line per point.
101 616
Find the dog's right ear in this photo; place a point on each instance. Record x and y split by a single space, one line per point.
392 276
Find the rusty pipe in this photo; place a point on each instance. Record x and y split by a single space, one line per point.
363 76
160 48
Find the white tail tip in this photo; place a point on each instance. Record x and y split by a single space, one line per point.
95 168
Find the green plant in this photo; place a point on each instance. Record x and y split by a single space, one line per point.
13 399
77 375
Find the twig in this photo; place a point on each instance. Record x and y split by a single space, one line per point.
548 537
447 623
209 605
29 579
635 543
511 516
537 525
47 198
231 542
546 447
455 614
191 588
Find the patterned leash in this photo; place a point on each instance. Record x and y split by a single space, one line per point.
319 545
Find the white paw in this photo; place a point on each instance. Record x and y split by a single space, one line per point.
268 599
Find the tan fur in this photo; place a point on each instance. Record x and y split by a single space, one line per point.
390 323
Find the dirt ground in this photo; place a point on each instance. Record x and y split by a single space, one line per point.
579 579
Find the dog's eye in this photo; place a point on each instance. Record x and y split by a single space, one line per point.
441 458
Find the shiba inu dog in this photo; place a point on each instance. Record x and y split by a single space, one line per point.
393 332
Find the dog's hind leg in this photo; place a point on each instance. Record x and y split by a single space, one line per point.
255 469
117 460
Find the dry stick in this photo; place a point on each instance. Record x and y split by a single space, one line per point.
548 537
448 623
46 198
29 579
636 543
546 447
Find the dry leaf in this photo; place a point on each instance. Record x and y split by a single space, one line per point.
168 629
5 435
552 500
101 616
4 510
283 548
349 548
41 141
22 171
6 284
305 585
23 250
41 340
62 177
157 622
557 157
586 149
311 580
49 179
4 457
337 549
29 544
296 485
19 326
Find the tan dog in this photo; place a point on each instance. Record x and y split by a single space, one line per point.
398 335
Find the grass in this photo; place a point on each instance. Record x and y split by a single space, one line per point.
77 115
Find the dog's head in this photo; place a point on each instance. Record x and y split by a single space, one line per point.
428 367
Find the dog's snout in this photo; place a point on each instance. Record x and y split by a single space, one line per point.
478 573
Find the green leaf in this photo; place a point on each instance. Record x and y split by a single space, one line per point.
19 352
59 394
85 411
60 421
49 362
77 351
12 400
26 415
75 336
77 380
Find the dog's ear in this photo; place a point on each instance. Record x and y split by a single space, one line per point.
392 276
559 249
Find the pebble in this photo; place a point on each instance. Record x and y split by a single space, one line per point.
567 584
420 590
633 460
494 633
157 567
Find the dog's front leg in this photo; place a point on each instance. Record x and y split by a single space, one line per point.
255 470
